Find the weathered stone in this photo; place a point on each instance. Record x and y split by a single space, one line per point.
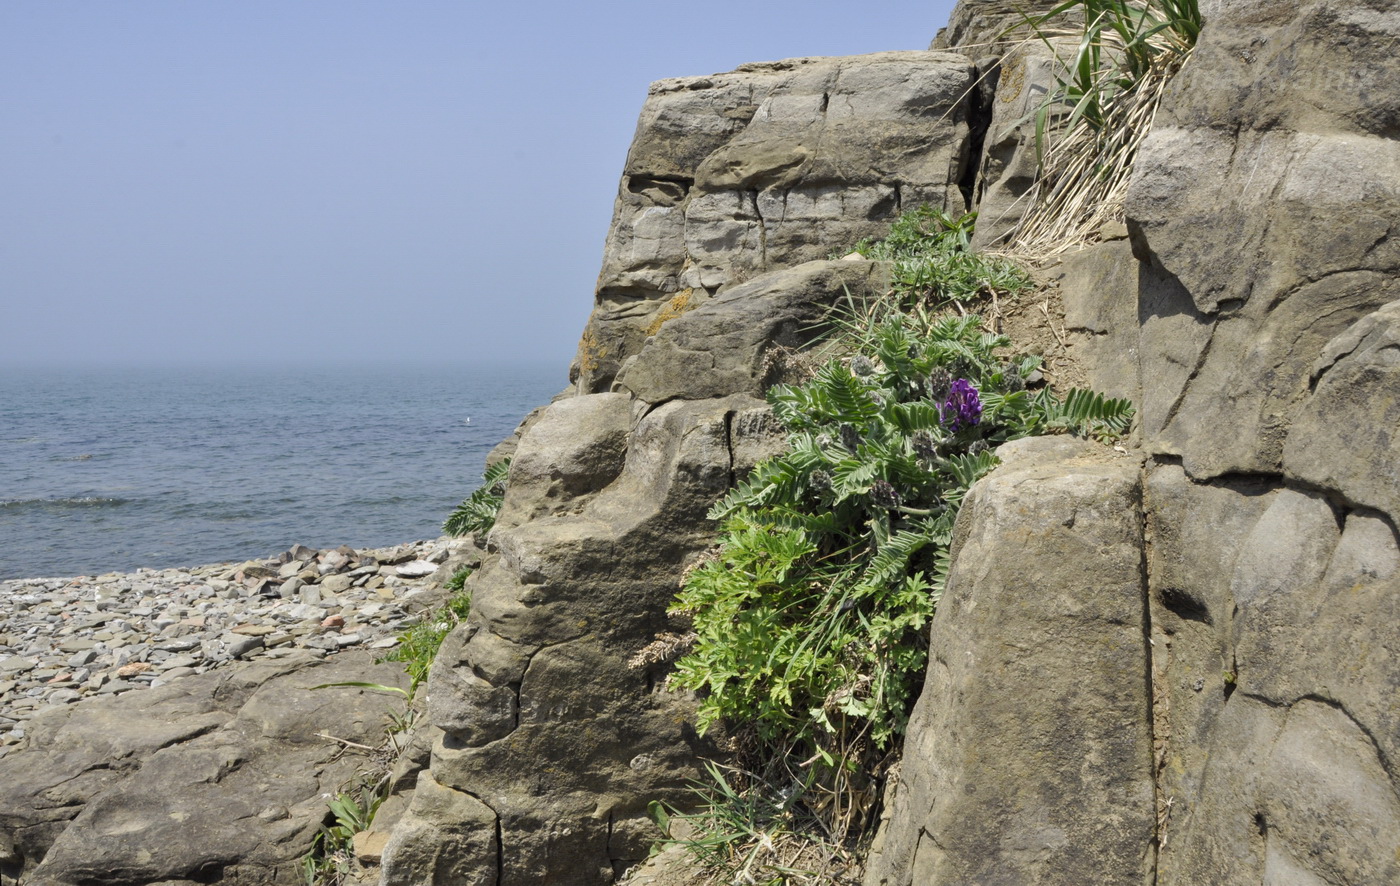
1282 130
766 167
1037 688
1347 435
725 346
988 27
339 584
1099 287
170 783
540 712
368 846
574 448
1280 777
448 837
415 569
1010 163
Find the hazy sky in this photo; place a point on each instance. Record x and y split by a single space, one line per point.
235 180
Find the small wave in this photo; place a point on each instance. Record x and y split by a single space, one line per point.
86 501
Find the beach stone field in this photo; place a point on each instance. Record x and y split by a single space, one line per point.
66 639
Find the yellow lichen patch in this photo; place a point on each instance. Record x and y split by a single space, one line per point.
1013 80
590 351
679 304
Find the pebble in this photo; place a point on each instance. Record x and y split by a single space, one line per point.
65 639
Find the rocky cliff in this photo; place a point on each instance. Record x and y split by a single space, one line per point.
1172 662
1179 667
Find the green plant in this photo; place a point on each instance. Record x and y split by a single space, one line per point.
810 617
458 580
332 857
478 512
932 264
419 644
1089 130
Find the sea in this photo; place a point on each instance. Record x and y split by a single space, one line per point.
115 468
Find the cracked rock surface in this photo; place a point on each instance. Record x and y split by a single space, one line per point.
217 776
733 175
1255 325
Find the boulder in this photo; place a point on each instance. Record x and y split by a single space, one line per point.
727 344
543 721
1028 758
217 777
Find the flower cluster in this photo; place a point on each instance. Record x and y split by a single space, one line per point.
963 406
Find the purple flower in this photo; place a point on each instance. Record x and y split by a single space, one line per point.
963 408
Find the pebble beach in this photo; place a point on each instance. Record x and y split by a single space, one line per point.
65 639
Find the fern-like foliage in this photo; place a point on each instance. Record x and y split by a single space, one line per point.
478 512
811 620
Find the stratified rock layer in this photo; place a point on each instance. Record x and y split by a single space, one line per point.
769 166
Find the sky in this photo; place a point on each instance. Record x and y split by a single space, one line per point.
195 182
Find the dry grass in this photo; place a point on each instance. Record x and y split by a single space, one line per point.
1089 132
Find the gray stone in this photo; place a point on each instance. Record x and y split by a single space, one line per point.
1263 136
338 584
289 588
1010 161
448 836
239 646
168 784
769 166
1347 434
988 27
541 715
1029 754
415 569
78 659
1279 775
573 449
726 345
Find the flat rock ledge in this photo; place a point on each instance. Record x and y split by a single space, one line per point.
66 639
174 726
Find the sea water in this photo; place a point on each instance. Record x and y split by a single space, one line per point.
110 469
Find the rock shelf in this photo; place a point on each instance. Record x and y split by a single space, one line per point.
65 639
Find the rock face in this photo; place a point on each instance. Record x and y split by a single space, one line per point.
1256 327
1262 137
1038 686
1277 681
764 168
552 744
214 777
737 187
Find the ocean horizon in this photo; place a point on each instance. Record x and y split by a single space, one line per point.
115 468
